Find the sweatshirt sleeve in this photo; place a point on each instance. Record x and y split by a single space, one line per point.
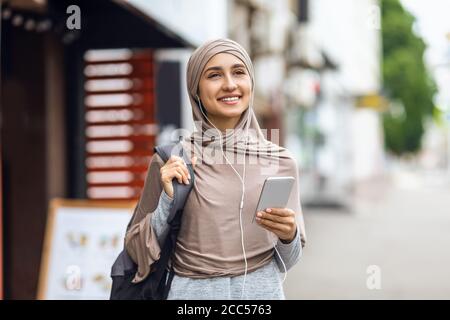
141 239
159 217
288 253
294 202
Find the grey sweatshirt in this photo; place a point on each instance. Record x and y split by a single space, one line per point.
263 283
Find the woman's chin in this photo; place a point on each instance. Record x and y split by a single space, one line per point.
231 110
232 113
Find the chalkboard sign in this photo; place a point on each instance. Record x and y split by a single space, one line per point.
82 240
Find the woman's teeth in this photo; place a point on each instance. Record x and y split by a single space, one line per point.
230 99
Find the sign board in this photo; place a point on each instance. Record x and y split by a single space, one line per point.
82 241
373 101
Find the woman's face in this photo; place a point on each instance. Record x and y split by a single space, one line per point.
224 90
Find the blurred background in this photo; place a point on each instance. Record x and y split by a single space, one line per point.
358 88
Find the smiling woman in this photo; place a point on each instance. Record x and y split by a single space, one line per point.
219 252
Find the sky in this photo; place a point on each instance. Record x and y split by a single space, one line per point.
433 24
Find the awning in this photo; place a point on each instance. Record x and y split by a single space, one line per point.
118 24
155 23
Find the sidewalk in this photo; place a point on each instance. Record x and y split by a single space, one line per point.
400 226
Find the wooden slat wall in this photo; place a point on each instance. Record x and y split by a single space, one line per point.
121 127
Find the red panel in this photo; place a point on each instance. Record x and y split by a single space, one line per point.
143 113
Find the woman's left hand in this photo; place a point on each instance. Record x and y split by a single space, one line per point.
280 221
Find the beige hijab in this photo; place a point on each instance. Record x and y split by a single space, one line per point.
209 243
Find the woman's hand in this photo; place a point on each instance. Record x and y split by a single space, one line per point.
280 221
175 167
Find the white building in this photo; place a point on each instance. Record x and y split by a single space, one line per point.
348 33
260 26
194 20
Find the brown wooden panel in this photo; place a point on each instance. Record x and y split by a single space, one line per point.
131 91
135 197
134 107
135 183
142 76
134 74
104 123
139 70
136 169
143 60
130 138
137 153
144 93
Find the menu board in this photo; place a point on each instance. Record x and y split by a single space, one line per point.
82 241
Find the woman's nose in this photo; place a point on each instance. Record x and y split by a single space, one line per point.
229 84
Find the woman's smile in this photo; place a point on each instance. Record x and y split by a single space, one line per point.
230 100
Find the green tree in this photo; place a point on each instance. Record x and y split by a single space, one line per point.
406 80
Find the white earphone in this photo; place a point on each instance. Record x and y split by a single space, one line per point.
241 206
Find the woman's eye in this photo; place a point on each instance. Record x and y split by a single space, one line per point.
214 75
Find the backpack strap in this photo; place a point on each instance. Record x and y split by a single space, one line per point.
165 151
180 190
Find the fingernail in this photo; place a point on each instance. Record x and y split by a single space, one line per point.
258 219
268 210
189 176
259 214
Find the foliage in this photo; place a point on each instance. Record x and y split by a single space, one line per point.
406 80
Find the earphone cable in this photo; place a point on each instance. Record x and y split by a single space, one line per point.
241 205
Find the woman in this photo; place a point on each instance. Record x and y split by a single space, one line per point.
220 253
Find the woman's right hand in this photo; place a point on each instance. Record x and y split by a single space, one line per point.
175 167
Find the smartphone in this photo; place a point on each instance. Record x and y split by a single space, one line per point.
275 193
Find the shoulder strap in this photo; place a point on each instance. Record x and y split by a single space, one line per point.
165 151
181 191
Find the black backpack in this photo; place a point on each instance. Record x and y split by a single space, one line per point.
156 285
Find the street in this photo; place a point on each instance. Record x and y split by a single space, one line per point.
400 224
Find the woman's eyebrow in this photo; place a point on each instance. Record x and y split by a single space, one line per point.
237 65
